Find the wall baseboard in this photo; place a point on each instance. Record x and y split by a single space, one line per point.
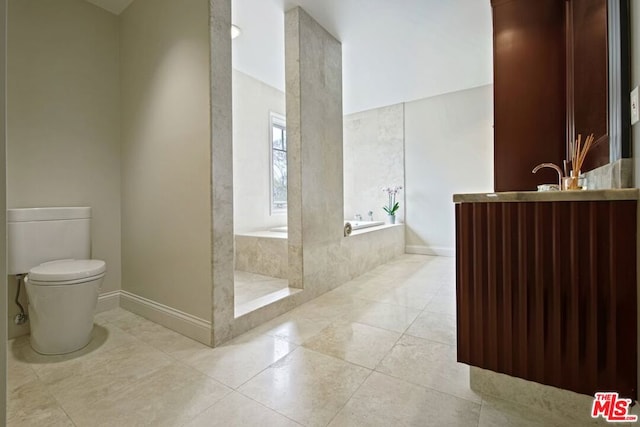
183 323
430 250
179 321
108 301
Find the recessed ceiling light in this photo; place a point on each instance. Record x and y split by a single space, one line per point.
235 31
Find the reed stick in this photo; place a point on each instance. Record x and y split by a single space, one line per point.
579 153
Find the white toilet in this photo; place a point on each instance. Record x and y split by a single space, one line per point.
53 245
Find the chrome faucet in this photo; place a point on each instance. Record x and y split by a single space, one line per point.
358 217
552 166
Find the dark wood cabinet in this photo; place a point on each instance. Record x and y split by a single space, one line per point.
546 291
560 69
529 91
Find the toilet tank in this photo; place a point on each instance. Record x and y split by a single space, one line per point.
37 235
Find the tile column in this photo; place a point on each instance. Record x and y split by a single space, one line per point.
313 67
222 172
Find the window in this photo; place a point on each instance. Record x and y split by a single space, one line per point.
278 163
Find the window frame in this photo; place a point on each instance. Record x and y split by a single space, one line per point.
275 120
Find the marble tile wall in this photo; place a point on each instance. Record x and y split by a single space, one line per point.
618 174
313 69
222 171
262 255
366 251
373 159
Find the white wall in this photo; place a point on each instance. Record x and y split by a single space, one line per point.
63 135
166 154
448 149
373 159
253 100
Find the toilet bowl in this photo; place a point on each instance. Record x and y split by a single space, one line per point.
50 248
62 299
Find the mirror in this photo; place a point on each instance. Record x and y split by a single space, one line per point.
597 61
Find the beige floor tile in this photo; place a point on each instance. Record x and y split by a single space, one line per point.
440 327
293 329
127 320
369 291
442 304
386 316
426 279
239 360
448 289
306 386
135 372
87 381
31 399
169 397
498 413
103 339
49 415
367 281
19 372
430 364
404 296
364 290
122 356
401 270
384 401
262 301
158 336
247 291
112 316
357 343
238 410
330 307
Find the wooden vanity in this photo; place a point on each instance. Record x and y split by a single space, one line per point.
547 287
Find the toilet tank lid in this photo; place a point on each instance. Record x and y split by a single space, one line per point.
48 214
67 269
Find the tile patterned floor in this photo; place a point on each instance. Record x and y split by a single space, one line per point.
253 291
377 351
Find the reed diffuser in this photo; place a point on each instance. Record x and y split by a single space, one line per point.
578 153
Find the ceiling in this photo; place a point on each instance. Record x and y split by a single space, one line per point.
393 50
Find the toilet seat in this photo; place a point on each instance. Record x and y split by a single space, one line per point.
67 272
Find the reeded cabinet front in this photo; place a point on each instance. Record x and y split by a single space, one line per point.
546 291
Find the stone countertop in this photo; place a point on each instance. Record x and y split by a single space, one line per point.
550 196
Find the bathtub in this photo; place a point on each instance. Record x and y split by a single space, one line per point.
371 243
355 225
